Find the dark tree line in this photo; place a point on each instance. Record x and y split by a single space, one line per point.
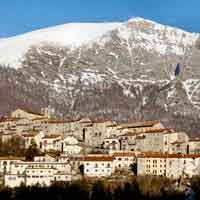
15 147
141 188
12 147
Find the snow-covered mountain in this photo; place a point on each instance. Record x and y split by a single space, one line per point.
156 37
116 70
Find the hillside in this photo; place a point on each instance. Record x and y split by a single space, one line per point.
106 70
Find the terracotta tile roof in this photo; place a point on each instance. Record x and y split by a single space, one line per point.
98 158
39 118
76 158
8 119
138 124
29 135
11 158
177 142
71 120
162 131
51 136
161 155
32 112
124 154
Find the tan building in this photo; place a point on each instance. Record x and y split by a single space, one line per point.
175 142
170 165
194 146
139 127
20 113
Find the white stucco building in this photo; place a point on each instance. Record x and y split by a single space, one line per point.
43 173
98 165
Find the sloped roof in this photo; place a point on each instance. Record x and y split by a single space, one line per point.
9 119
11 158
166 155
85 120
138 124
30 111
124 154
98 158
52 136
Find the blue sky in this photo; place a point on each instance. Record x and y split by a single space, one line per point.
19 16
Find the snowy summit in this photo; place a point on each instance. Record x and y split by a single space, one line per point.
76 34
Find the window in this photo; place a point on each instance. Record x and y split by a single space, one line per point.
154 172
96 165
108 165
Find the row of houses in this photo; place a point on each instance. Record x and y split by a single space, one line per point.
50 134
150 146
23 122
46 170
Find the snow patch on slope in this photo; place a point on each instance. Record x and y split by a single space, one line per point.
137 32
71 35
153 36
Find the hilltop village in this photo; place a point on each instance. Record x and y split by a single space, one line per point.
72 149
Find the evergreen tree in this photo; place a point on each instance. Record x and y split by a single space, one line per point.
32 151
134 168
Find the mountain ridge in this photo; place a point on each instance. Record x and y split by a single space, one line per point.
128 72
70 35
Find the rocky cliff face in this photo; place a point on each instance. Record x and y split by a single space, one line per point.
125 73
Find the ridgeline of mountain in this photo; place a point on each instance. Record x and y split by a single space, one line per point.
120 71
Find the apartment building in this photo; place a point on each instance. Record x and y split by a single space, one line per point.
122 160
98 165
170 165
31 173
